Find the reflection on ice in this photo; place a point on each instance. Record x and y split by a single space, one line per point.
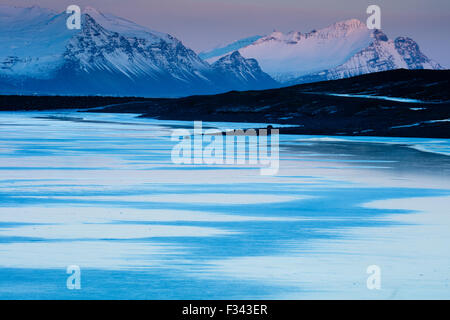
199 198
99 254
413 256
112 231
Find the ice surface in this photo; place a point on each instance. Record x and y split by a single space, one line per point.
105 196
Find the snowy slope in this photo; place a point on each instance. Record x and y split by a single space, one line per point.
33 40
288 56
344 49
221 51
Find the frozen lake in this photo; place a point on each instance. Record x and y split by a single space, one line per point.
100 191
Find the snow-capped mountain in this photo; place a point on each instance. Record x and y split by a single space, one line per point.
341 50
381 55
109 55
234 66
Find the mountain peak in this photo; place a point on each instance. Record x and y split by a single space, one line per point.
125 27
232 58
91 11
277 34
234 67
352 23
336 30
344 28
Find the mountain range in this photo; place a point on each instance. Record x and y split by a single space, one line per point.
109 56
113 56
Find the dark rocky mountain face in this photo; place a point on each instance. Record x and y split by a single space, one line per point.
411 54
233 69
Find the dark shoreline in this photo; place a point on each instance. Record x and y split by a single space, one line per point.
312 109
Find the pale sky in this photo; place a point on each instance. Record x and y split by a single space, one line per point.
205 24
